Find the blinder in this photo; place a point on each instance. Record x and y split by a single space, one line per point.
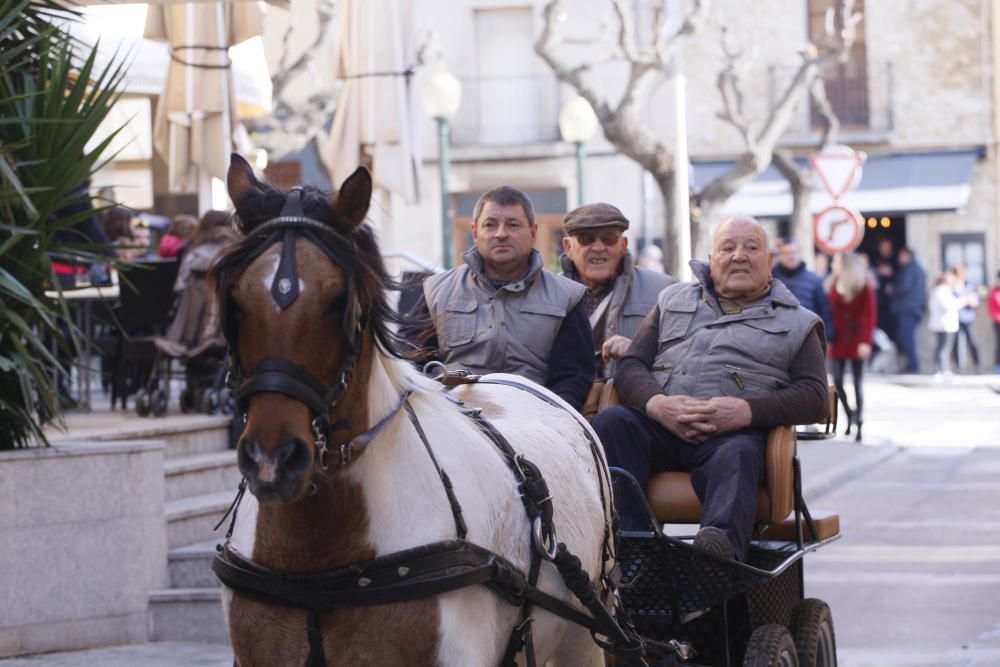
281 375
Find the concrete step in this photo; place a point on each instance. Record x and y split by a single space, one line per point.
187 614
191 566
191 520
184 435
200 474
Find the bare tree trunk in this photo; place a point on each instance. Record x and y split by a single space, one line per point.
671 254
800 181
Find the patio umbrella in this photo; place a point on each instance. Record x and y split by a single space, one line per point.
196 117
375 116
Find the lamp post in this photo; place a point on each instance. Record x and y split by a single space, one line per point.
441 95
577 124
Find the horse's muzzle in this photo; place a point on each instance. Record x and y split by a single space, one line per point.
274 477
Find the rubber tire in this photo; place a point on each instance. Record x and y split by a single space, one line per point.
227 404
159 403
143 404
771 645
210 402
187 401
812 627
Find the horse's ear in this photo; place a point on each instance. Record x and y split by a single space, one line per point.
240 180
354 197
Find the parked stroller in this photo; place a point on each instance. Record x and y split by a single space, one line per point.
194 339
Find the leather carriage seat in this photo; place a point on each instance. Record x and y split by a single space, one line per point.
674 501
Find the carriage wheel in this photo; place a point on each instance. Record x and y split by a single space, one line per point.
187 401
812 627
771 646
209 402
142 403
159 403
227 404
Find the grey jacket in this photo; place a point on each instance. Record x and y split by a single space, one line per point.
632 297
508 329
704 353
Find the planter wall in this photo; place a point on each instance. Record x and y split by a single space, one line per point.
82 539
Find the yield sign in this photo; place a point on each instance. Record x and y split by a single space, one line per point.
839 168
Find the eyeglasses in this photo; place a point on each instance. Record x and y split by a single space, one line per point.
608 238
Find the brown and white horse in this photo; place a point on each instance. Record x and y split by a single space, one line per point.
305 518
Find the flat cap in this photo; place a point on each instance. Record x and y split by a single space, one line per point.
594 216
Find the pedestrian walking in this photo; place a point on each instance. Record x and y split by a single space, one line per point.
885 266
803 283
969 298
942 319
907 304
993 308
853 307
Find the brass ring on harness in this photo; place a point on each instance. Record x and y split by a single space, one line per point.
545 544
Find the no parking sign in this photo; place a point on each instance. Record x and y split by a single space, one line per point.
838 229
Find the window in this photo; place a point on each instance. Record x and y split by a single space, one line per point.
968 250
846 83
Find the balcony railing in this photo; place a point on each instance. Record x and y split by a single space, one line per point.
862 100
507 111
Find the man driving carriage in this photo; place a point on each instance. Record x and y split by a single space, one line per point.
502 311
716 364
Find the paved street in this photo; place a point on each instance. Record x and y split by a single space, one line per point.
914 581
915 578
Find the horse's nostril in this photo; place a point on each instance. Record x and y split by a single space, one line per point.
294 454
246 457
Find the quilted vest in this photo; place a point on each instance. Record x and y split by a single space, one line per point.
509 329
705 353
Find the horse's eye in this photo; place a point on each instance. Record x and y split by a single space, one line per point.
338 305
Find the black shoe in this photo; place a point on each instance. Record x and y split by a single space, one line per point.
714 541
857 434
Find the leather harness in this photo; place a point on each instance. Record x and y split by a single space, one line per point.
427 570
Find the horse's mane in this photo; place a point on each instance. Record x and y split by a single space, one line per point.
360 259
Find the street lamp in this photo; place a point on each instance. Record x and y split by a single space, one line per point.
441 95
577 124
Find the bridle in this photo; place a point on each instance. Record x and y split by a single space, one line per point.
284 376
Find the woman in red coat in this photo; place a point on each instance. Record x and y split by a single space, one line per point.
852 302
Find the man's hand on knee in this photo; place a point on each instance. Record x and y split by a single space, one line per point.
730 414
685 417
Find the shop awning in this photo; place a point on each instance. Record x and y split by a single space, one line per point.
891 183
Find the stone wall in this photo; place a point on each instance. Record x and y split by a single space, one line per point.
82 538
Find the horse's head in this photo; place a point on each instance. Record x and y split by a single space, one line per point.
297 295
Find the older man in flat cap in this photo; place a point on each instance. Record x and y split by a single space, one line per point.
619 294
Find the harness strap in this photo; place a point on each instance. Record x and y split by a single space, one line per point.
456 508
314 634
283 376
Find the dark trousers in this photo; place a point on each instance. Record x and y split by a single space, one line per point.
857 374
996 331
943 341
906 326
725 470
965 329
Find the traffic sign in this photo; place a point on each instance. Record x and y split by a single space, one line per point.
839 168
838 229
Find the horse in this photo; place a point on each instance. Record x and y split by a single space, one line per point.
339 475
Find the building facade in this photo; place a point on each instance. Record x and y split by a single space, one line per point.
918 98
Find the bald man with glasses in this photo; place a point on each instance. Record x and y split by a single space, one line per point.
619 294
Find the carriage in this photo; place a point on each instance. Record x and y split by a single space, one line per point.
694 608
392 521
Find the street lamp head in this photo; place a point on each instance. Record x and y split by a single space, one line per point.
441 94
577 121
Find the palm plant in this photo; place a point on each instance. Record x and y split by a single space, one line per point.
51 103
